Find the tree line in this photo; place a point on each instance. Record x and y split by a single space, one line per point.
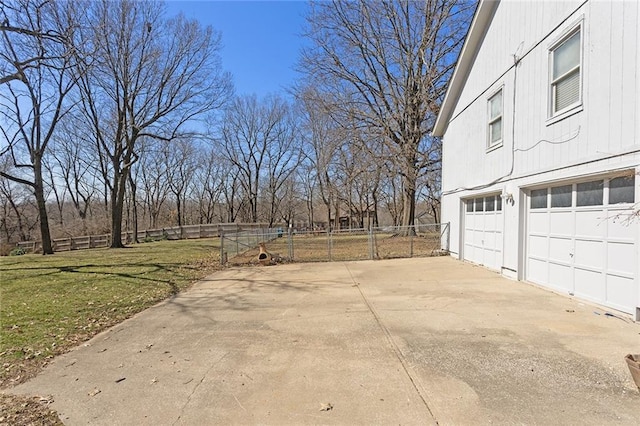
114 115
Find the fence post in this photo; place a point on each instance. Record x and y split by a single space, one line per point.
412 231
222 259
329 243
447 228
290 243
371 242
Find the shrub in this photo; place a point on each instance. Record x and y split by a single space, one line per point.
18 251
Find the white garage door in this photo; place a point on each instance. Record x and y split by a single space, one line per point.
483 231
580 242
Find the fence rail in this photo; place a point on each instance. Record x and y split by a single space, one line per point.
171 233
337 245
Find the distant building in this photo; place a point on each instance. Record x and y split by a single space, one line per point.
541 147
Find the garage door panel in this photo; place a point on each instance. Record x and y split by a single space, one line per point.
590 224
478 236
590 284
538 246
539 223
589 253
489 240
561 223
620 258
584 250
621 293
561 276
482 237
620 229
560 249
537 271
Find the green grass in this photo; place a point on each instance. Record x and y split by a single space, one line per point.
51 303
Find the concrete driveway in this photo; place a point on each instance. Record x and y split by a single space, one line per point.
409 341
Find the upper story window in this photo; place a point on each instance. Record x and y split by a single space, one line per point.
495 120
566 70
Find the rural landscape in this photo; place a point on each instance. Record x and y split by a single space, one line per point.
117 117
319 212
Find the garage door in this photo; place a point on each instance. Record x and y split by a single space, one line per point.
580 241
483 231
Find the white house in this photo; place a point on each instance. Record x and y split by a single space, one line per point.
541 147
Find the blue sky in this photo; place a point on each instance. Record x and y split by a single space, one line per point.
261 39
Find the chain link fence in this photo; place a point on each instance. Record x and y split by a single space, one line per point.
241 247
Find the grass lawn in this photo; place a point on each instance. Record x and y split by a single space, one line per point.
49 304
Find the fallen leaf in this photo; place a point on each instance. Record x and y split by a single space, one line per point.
326 406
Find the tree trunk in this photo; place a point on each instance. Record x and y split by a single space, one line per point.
409 194
179 209
132 184
117 208
45 234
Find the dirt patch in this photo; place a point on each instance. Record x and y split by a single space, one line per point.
22 411
321 248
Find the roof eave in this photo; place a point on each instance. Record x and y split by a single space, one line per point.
479 24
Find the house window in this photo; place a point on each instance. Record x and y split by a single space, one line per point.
490 203
479 204
561 196
539 199
589 193
622 190
565 73
495 120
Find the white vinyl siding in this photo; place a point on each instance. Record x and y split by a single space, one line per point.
495 120
566 66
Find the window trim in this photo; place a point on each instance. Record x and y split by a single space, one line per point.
492 120
577 106
470 203
604 204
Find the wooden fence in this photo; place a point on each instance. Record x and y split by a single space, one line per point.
171 233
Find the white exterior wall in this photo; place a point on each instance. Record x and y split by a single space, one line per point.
601 138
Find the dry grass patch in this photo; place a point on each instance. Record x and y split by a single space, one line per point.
52 303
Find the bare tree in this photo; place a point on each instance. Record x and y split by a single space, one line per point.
260 139
146 77
208 186
324 140
72 159
283 158
18 218
180 166
37 74
386 64
153 182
